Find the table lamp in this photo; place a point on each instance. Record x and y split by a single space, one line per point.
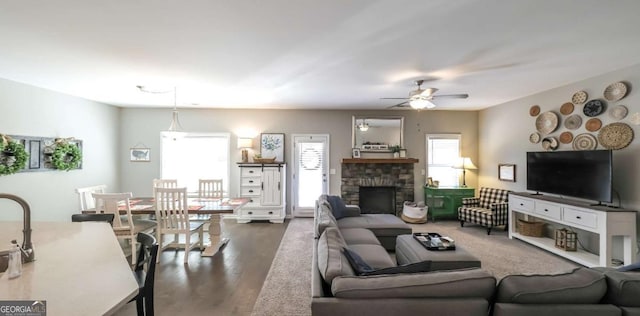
464 163
245 143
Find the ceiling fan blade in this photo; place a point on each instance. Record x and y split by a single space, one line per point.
393 98
399 105
451 96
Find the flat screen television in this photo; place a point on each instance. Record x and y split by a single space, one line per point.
586 174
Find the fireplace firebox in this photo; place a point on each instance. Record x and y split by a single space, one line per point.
377 200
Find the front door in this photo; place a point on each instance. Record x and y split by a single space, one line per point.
310 165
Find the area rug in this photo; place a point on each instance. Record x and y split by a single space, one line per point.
287 287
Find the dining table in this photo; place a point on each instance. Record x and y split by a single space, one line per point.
212 207
79 269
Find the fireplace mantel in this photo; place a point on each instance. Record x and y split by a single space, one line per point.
380 160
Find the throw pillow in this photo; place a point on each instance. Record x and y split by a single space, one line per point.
357 263
338 207
630 267
360 267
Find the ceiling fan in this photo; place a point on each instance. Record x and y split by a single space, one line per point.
422 98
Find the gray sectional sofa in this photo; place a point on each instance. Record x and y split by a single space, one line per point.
337 289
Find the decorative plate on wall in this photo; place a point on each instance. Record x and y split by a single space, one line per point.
585 141
547 122
615 91
618 112
635 118
593 124
566 137
566 108
594 108
534 110
579 97
573 122
615 136
550 143
534 138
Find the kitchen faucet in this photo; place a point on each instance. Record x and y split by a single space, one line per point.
27 247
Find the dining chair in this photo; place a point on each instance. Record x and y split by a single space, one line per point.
172 215
144 272
86 199
93 217
210 188
123 226
164 183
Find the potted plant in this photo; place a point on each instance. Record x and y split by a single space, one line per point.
395 150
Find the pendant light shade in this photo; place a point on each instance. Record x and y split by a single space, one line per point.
175 130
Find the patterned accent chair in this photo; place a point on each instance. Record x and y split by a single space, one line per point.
489 209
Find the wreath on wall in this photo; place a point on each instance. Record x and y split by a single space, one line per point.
13 156
66 156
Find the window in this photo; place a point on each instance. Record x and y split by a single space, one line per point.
196 156
442 152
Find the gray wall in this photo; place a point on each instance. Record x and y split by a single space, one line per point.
504 134
30 111
144 126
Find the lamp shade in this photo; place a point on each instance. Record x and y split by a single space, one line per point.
464 163
245 142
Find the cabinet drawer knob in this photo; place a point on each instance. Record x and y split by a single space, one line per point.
546 210
578 217
270 212
250 213
250 181
250 171
521 204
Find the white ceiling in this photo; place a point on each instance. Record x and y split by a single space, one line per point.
310 54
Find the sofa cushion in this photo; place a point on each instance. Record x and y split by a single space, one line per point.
623 288
450 284
579 286
324 218
379 224
355 236
338 207
331 260
360 267
374 255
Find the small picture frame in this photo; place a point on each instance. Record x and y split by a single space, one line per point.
355 153
140 154
507 172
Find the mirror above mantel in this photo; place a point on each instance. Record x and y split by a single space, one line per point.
377 133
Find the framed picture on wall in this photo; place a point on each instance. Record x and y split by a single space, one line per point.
272 145
139 154
507 172
356 153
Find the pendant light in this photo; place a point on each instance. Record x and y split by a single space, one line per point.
175 130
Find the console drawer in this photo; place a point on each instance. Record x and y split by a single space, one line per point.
250 191
251 172
582 218
521 204
250 181
262 213
548 210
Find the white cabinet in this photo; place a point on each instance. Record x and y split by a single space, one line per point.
605 221
264 185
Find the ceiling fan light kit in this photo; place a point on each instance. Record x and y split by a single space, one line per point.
423 98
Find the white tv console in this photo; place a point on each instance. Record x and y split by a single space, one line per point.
605 221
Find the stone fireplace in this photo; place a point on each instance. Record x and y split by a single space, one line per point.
396 173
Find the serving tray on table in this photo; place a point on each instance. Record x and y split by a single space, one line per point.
434 241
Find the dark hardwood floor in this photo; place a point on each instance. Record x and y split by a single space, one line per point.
225 284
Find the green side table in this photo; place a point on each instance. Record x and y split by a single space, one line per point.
444 201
